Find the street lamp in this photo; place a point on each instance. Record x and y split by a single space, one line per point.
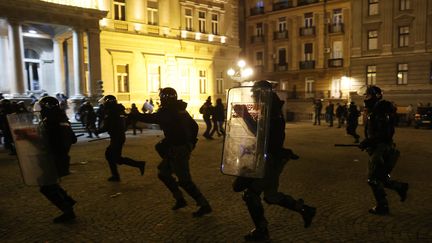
241 73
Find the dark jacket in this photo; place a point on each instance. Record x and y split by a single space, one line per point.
114 121
380 123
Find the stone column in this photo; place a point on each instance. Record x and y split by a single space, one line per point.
78 63
16 44
59 65
94 60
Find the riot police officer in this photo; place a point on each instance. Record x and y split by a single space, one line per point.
5 109
58 135
114 123
277 157
383 155
180 132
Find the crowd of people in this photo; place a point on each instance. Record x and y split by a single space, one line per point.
180 138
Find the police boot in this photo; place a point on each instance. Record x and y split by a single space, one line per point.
57 196
380 210
172 186
139 164
180 203
307 212
380 196
194 192
402 191
258 234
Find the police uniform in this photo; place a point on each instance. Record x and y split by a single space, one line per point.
383 155
277 158
115 124
180 132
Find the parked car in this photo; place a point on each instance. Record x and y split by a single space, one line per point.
423 117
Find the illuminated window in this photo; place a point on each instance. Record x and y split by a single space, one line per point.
154 78
188 19
260 4
371 75
372 39
202 81
402 75
373 7
308 51
404 4
259 58
120 10
184 79
404 36
201 22
152 13
215 24
219 85
309 87
259 29
122 73
308 20
337 16
282 25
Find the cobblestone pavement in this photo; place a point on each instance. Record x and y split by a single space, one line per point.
138 208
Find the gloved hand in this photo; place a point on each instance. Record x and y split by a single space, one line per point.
364 144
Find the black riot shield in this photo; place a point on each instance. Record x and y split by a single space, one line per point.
245 144
36 163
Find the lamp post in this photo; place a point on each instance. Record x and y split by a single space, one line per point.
241 73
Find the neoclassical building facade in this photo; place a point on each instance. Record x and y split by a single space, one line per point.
135 47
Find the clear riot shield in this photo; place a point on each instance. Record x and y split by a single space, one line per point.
245 143
37 165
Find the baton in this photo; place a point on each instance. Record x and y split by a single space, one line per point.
98 139
79 135
345 145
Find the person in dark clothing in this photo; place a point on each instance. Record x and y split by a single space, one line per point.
383 155
329 113
218 118
180 132
341 114
277 158
206 110
134 110
352 121
100 116
317 112
114 123
58 136
89 117
5 109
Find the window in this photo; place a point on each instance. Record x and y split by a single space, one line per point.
404 4
260 4
402 75
152 13
282 56
188 19
202 22
308 50
337 16
120 10
372 39
308 20
219 86
215 24
337 49
309 87
122 73
282 25
403 36
373 8
259 58
154 78
202 81
259 29
371 75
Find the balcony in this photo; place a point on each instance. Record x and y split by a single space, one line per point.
280 67
336 28
282 5
256 11
306 2
279 35
307 64
307 31
257 39
335 62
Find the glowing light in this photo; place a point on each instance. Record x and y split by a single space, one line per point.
78 3
230 72
197 36
241 63
247 72
210 38
346 82
32 31
137 27
183 33
103 22
223 39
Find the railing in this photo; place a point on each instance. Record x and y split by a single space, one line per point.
278 35
280 67
256 10
335 62
257 39
282 5
306 2
307 64
336 28
307 31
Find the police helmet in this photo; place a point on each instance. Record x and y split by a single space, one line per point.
5 102
167 95
373 91
48 103
108 99
262 84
